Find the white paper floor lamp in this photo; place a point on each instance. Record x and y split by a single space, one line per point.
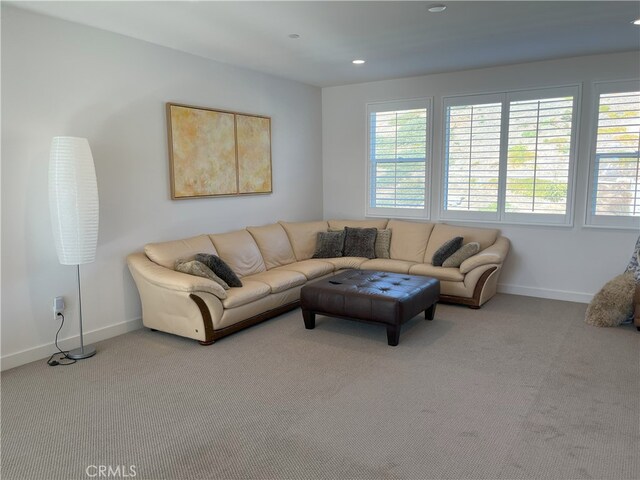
73 201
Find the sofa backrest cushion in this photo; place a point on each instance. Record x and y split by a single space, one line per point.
379 223
408 239
302 236
274 245
166 253
239 251
443 233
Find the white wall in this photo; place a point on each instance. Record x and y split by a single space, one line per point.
59 78
569 263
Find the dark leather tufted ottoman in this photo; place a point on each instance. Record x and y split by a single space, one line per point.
389 299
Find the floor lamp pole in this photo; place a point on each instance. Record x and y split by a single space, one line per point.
82 352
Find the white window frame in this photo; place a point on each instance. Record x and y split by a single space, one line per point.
465 100
395 105
591 219
506 97
547 218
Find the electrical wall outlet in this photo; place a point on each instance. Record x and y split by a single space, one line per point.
58 306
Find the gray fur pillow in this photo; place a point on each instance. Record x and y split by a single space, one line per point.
460 255
360 242
446 250
220 268
613 304
383 243
329 244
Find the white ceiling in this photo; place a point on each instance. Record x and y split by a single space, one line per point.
397 39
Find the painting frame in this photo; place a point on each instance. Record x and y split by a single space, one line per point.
210 156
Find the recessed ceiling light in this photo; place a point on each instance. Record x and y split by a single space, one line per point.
437 8
636 22
294 35
357 62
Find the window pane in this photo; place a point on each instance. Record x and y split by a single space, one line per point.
398 158
538 157
617 162
472 157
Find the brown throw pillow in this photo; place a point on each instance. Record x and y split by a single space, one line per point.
360 242
383 243
464 252
220 268
446 250
329 244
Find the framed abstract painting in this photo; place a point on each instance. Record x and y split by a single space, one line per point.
216 152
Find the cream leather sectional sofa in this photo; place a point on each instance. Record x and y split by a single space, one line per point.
274 262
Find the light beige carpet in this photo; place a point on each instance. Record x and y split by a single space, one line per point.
519 389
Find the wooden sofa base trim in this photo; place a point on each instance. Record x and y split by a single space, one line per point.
473 302
207 321
212 335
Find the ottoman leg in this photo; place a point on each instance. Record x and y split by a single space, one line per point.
430 312
393 335
309 319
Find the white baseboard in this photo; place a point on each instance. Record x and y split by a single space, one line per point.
545 293
43 351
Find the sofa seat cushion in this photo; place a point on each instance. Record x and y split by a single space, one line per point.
310 268
441 273
240 251
443 233
409 240
279 280
274 245
379 223
302 236
387 265
341 263
166 253
249 292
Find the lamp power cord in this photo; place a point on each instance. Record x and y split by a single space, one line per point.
63 359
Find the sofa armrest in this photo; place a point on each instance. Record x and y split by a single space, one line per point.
175 302
495 254
170 279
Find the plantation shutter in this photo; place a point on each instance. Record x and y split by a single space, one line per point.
472 155
540 151
617 159
398 158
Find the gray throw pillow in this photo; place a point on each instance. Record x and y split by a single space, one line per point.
360 242
220 268
194 267
464 252
383 243
329 244
446 250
